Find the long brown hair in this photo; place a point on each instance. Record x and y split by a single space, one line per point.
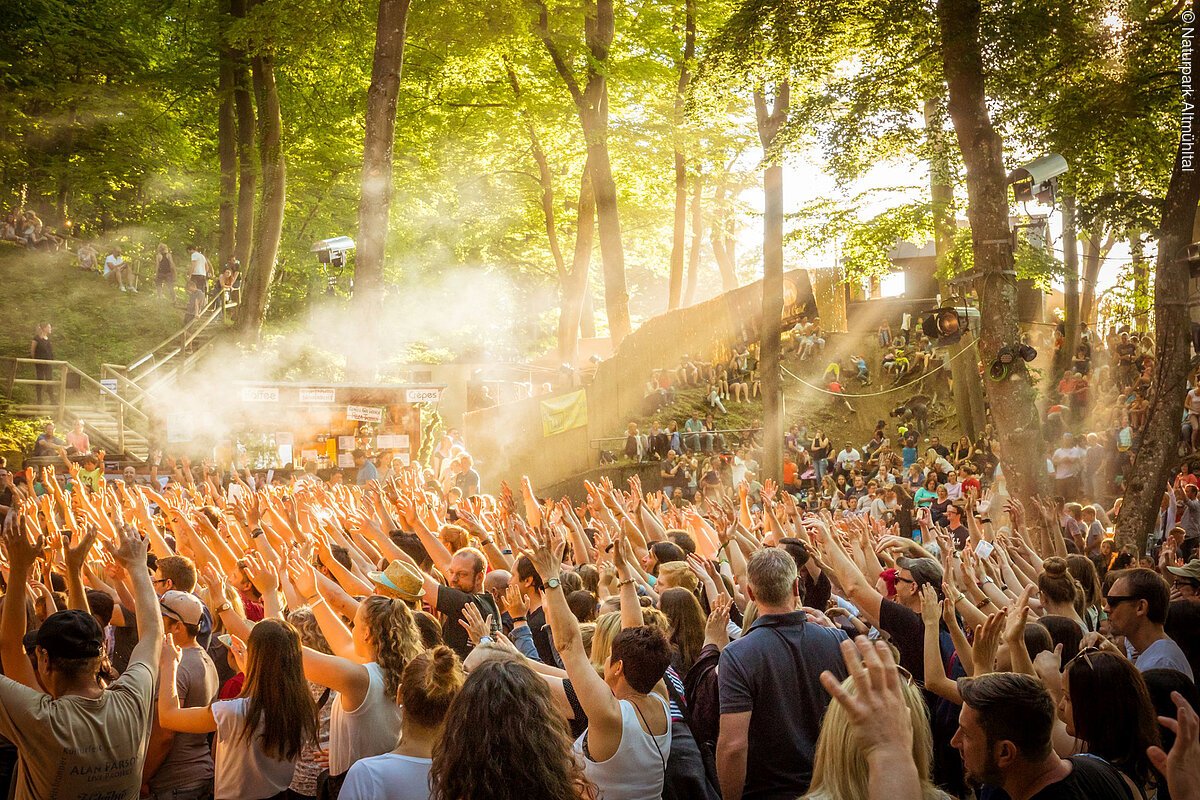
393 633
505 714
687 625
275 683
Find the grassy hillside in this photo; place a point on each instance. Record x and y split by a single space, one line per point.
93 321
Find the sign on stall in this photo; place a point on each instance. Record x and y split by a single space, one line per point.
364 413
314 396
260 394
422 395
110 384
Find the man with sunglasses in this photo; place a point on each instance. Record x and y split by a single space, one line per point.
1137 609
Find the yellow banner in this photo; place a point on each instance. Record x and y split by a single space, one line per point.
564 413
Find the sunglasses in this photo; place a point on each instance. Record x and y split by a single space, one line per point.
1085 654
1114 600
905 580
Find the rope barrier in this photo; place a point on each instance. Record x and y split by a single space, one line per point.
923 376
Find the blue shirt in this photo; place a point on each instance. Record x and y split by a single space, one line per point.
366 473
773 672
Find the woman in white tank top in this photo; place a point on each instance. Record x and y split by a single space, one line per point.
628 740
365 670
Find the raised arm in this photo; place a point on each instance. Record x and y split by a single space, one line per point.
22 553
602 709
130 553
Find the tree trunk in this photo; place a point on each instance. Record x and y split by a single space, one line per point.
375 196
678 243
1093 257
574 284
1011 400
269 225
1141 287
226 141
591 103
1071 304
247 134
587 320
722 239
1154 463
693 270
964 370
770 122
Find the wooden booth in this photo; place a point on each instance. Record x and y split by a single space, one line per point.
278 426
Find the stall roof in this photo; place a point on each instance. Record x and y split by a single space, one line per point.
375 386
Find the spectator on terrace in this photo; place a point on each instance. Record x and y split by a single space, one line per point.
114 268
88 258
77 439
42 349
164 272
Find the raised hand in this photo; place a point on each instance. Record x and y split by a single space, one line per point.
171 653
1181 766
514 601
76 555
716 629
877 711
546 561
987 642
475 624
931 607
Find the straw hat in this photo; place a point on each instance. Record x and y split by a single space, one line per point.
401 579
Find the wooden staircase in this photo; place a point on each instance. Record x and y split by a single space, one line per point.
116 408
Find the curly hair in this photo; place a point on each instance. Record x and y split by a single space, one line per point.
310 632
394 636
505 710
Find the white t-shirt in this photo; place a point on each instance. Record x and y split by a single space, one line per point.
1066 464
388 777
199 263
243 770
113 262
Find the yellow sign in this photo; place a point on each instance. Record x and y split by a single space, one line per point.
564 413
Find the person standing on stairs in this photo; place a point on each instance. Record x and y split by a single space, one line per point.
41 348
201 270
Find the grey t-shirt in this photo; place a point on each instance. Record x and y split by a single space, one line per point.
1163 654
190 761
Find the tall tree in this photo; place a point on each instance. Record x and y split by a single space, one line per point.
591 104
375 200
1152 467
247 134
226 137
678 238
770 122
1012 399
269 224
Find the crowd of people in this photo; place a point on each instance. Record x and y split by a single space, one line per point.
27 229
403 634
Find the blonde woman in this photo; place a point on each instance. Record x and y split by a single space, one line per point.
840 766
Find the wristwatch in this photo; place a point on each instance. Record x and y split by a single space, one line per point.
553 583
221 609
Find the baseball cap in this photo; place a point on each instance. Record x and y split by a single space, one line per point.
924 570
71 634
1189 570
182 607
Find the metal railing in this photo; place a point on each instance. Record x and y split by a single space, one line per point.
684 436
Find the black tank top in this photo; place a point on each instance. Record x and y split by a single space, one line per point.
42 349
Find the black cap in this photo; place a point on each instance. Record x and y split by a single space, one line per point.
71 634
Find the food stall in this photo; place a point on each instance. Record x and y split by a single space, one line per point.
279 426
